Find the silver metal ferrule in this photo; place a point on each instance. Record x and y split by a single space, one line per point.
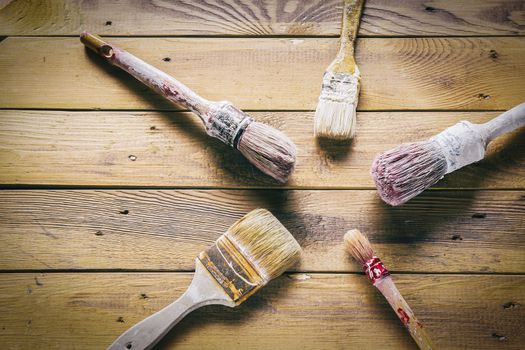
226 122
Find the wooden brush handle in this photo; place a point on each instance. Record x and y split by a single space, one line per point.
204 290
387 287
351 17
162 83
510 120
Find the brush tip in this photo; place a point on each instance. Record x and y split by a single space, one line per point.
405 171
358 246
270 150
265 242
335 115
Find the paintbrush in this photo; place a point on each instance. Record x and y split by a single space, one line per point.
267 148
255 249
407 170
335 115
359 246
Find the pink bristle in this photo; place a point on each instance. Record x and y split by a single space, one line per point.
407 170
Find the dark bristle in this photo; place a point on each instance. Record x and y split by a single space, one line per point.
407 170
269 150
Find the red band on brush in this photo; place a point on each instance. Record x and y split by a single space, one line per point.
375 270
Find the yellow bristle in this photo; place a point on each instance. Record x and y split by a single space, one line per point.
265 242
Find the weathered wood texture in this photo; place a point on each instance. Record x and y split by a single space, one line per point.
268 73
445 231
312 311
172 149
255 18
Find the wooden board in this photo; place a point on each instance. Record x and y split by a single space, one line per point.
269 73
448 231
256 18
88 311
172 149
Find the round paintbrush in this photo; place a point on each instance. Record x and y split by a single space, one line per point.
407 170
267 148
359 246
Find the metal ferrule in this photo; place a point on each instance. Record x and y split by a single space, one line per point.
226 123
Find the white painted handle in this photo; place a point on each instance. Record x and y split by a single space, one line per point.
510 120
204 290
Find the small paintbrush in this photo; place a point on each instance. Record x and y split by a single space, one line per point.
267 148
335 115
254 250
359 246
407 170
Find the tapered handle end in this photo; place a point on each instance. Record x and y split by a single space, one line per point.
95 43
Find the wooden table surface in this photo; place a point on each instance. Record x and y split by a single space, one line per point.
108 192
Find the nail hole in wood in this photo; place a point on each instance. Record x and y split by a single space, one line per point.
479 216
108 23
430 9
483 96
124 212
132 157
457 238
499 336
511 305
166 59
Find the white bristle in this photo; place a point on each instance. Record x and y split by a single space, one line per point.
265 242
269 150
407 170
335 115
358 245
335 120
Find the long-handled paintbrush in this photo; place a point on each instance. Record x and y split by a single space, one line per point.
336 110
359 246
407 170
265 147
254 250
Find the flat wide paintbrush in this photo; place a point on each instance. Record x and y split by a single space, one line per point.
359 246
335 116
407 170
268 149
254 250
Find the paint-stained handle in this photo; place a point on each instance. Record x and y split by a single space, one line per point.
204 290
157 80
351 18
387 287
512 119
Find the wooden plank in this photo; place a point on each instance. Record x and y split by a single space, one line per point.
467 231
172 149
88 311
269 73
256 18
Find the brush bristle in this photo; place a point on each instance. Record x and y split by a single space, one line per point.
335 115
265 242
358 245
269 150
407 170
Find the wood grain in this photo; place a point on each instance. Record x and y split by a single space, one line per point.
269 73
448 231
256 18
172 149
88 311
